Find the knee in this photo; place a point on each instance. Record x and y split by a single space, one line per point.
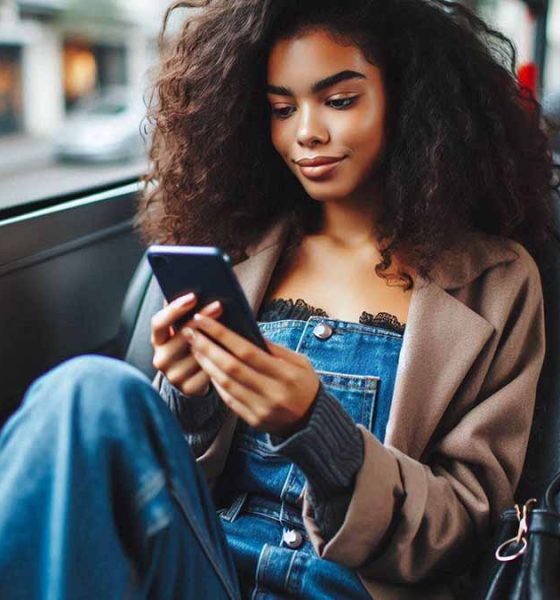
93 371
96 383
102 370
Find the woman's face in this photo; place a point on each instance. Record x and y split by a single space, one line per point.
328 113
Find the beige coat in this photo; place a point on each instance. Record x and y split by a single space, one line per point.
459 424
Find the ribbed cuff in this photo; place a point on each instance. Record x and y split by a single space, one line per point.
329 450
193 412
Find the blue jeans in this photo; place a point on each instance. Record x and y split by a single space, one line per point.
100 495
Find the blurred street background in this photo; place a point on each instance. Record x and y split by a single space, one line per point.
74 75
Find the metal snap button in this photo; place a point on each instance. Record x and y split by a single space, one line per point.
292 538
323 331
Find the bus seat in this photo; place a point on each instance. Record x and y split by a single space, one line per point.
143 299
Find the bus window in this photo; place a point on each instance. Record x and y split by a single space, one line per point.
72 95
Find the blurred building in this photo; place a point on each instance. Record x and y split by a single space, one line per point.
54 52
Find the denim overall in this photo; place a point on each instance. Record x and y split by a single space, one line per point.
273 555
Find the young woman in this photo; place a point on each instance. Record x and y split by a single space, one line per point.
381 182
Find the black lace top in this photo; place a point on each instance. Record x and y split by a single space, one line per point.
281 308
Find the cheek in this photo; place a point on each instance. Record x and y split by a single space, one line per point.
279 138
368 136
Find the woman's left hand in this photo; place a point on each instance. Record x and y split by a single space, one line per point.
271 392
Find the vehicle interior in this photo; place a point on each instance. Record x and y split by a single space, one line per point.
74 280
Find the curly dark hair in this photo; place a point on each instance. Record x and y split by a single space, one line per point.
466 148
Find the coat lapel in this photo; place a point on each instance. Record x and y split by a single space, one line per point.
442 339
254 273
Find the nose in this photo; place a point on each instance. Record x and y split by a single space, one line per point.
311 129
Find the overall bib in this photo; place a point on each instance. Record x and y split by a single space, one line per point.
273 556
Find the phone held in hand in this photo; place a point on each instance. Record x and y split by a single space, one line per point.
206 271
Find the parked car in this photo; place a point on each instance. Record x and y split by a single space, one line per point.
103 128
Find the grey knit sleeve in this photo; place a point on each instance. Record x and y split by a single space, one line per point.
330 451
200 417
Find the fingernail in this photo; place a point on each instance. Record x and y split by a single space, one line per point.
183 300
214 306
189 333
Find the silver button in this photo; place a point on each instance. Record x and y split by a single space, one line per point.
323 331
292 538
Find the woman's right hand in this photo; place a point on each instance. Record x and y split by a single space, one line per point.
172 353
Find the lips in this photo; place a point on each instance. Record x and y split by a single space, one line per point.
317 161
319 167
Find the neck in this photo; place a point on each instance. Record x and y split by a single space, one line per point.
348 225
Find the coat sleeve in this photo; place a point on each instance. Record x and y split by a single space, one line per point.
408 520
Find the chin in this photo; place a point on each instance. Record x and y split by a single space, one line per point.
327 194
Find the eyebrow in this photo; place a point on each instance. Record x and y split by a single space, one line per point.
319 85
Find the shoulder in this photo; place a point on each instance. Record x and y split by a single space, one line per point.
498 279
523 267
481 258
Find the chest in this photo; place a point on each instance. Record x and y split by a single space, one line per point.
341 283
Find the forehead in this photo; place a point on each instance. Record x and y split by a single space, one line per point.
310 56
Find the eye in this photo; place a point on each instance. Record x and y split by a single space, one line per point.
283 112
342 103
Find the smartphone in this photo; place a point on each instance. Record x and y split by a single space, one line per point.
206 271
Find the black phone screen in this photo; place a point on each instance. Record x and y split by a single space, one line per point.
207 272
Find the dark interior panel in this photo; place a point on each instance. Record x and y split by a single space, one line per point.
64 273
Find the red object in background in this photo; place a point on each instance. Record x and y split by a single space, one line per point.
535 6
528 75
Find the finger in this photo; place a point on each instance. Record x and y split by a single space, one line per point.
197 385
285 353
179 345
176 348
164 319
247 352
163 329
237 407
229 364
213 310
164 361
232 387
182 370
